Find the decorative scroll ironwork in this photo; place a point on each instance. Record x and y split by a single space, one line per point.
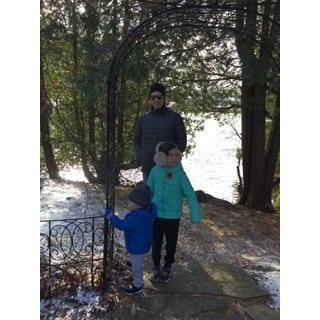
71 252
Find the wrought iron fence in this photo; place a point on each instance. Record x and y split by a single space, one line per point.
71 252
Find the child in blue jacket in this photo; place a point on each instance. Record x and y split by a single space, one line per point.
169 185
138 228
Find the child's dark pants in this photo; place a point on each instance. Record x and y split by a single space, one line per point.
169 228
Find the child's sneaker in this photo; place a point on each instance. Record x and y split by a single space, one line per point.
155 274
165 275
132 290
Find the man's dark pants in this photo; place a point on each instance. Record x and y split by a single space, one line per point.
145 175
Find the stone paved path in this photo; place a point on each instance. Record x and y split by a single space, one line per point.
197 291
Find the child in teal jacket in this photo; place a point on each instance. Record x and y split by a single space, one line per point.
169 185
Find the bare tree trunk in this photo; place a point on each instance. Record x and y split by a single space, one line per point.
256 197
91 22
272 156
49 158
77 109
247 130
257 168
245 48
253 146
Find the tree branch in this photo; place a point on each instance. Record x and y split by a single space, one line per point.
225 109
234 129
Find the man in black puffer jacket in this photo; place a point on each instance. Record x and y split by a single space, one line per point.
159 124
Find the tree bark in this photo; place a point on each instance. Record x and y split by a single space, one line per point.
77 110
258 168
272 156
246 142
256 198
49 158
91 63
120 151
253 146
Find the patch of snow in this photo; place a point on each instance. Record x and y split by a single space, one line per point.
78 306
61 200
119 237
87 297
44 304
73 173
270 281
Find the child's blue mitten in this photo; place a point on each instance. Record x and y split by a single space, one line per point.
108 213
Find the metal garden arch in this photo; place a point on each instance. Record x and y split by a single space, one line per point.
176 16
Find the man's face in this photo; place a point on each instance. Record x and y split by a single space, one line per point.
174 157
156 99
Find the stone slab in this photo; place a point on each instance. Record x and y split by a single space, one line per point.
176 306
190 278
234 281
196 291
200 278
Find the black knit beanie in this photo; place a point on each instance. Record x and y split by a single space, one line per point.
141 195
158 87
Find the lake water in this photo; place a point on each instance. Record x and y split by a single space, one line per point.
212 166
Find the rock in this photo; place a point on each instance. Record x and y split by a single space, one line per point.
207 198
